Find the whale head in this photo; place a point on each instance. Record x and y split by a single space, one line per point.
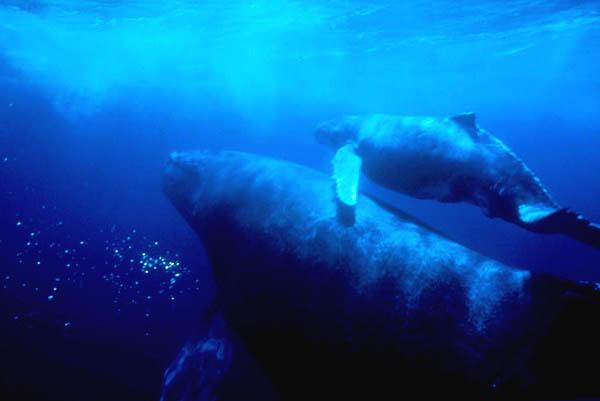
183 177
339 132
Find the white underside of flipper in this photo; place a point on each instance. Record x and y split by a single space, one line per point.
346 175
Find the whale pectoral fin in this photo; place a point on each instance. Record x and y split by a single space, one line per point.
346 177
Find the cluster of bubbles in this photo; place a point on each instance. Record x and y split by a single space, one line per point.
132 268
49 265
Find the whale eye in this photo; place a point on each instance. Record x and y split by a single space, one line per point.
337 133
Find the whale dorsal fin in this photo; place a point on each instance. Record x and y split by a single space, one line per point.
346 176
468 121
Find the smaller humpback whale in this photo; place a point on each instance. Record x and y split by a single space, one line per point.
449 160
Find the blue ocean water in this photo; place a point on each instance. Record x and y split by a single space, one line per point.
101 281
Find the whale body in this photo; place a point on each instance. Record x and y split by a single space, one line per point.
379 309
449 159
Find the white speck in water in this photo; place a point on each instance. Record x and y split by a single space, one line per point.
50 297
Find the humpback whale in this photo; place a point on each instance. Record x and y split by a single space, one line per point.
379 309
446 159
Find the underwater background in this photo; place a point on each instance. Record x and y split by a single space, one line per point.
102 282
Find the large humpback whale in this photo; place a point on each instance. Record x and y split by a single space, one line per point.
450 160
379 309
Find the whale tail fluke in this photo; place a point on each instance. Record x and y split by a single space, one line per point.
567 222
